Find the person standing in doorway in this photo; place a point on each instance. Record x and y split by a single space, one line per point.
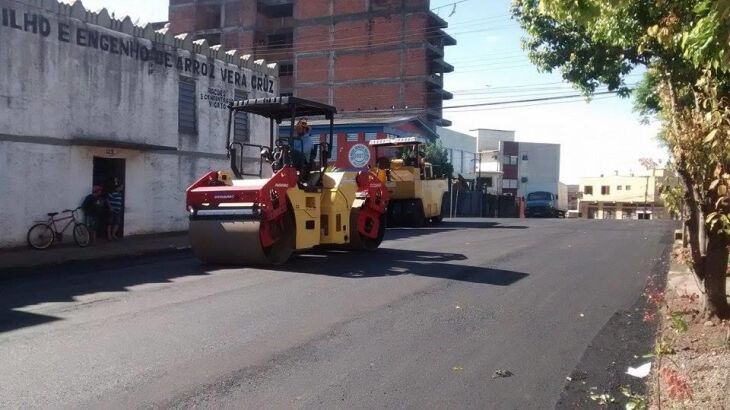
94 206
116 201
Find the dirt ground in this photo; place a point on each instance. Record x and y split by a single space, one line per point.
699 355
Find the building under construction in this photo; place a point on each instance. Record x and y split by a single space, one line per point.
364 57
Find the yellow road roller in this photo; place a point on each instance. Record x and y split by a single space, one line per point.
414 191
239 217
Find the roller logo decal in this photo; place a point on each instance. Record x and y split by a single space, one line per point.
359 155
223 196
281 185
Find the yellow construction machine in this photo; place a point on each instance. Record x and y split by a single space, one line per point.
234 220
414 190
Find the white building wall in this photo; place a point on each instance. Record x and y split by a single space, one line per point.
637 193
488 140
57 95
463 147
541 168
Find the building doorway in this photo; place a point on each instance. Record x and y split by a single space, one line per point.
108 173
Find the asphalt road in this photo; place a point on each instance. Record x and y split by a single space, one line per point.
424 322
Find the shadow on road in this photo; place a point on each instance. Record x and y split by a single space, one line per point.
446 226
66 282
391 262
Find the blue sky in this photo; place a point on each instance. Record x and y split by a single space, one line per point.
599 137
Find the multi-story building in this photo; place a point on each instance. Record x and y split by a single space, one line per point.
516 168
624 197
364 57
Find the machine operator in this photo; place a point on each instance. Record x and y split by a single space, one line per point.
303 150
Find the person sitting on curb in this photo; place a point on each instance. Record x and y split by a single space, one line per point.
94 206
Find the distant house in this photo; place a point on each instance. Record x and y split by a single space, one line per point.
624 197
516 168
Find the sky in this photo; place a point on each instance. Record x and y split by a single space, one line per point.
600 137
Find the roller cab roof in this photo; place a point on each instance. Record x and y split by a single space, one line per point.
282 108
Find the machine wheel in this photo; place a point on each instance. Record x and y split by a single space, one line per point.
238 243
414 215
360 242
395 212
40 236
280 252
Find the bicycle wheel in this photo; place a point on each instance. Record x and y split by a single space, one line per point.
81 235
40 236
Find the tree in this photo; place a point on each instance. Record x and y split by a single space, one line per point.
684 48
438 156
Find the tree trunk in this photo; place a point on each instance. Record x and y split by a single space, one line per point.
715 271
694 224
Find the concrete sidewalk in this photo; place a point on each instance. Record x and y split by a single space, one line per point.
681 279
16 260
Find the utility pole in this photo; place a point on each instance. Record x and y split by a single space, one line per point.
649 164
479 171
646 196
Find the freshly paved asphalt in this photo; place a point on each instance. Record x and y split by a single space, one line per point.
424 322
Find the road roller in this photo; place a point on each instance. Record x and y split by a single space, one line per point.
414 191
240 217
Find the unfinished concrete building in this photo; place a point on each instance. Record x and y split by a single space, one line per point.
366 57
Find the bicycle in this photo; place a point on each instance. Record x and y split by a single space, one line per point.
42 235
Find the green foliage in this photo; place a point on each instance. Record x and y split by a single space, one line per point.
707 44
684 46
634 401
438 156
678 322
647 101
661 348
602 399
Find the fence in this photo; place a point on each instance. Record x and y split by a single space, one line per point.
479 204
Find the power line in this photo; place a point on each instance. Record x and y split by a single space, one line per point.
509 107
526 101
492 105
449 5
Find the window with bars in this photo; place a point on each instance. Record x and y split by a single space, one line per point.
509 183
353 137
369 136
286 70
240 120
187 113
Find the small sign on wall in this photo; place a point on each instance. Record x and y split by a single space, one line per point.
359 155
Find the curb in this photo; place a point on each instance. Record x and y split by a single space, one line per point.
15 272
